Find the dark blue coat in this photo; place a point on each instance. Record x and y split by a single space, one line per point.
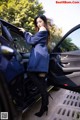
39 57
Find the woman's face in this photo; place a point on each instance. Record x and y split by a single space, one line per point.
40 22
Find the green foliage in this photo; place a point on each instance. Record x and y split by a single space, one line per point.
55 36
67 45
20 12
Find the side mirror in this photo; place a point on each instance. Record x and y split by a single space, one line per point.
7 51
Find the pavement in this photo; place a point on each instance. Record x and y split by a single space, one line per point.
64 106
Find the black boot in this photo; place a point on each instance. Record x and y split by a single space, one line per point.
44 106
41 84
42 111
44 95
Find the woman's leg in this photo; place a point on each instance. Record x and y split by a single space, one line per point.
44 92
39 81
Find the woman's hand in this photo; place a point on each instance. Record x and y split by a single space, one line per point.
22 30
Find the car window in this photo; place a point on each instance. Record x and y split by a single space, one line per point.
19 42
71 42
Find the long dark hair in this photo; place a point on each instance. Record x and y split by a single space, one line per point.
43 17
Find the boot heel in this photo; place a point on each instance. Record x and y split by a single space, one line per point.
47 112
42 111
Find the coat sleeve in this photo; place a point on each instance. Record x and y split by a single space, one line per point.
33 39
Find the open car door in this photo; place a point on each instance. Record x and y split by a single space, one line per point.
64 69
14 37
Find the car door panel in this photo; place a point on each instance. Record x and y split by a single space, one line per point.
70 59
65 63
70 62
68 78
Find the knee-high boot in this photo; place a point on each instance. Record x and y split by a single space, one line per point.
44 95
41 84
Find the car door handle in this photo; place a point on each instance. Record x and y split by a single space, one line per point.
63 58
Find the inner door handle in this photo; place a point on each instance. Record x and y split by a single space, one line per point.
63 58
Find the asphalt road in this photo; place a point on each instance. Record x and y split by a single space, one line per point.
64 106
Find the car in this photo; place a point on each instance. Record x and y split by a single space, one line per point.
18 92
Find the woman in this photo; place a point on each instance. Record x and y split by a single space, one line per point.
39 59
